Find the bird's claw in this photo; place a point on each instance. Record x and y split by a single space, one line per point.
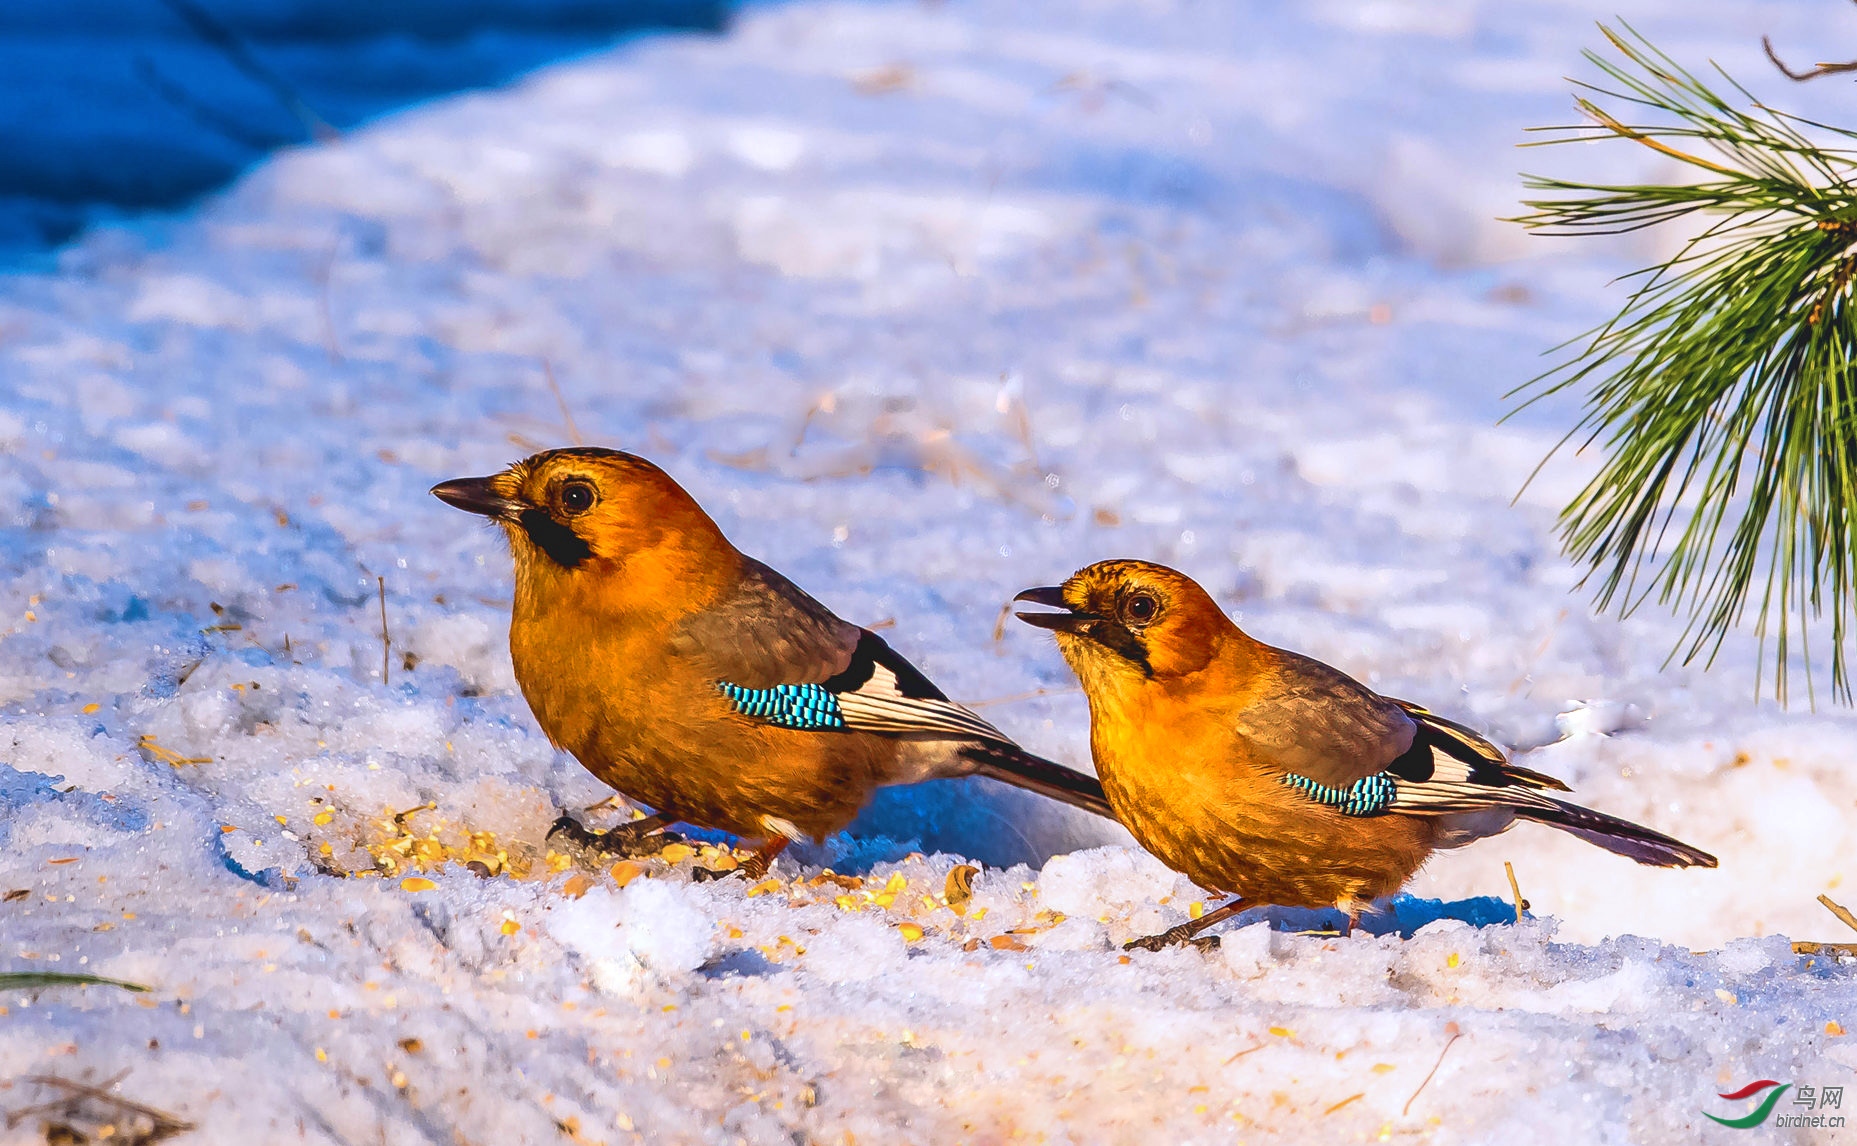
1173 936
753 869
625 841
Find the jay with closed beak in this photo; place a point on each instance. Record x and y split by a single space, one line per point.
704 685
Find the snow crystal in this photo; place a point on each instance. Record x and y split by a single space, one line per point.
647 928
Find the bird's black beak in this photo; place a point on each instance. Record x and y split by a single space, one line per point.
1065 622
475 495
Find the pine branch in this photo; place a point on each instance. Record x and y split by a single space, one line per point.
1724 393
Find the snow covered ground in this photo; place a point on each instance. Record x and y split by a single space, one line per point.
928 303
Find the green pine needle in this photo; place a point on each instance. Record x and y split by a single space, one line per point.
27 980
1724 393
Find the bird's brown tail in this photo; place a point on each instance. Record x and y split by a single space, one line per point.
1621 837
1012 765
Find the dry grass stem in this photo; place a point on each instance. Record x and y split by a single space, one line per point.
386 638
567 416
1808 947
999 622
1843 914
325 273
898 435
1242 1053
1018 696
1812 73
147 743
1455 1035
1521 904
402 817
84 1113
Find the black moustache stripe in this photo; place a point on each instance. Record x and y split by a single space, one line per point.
1118 640
562 545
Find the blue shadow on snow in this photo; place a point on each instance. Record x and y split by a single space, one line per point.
112 107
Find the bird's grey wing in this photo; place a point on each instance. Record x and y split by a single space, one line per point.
1346 746
769 632
1320 724
782 657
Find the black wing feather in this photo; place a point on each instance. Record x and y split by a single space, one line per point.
873 653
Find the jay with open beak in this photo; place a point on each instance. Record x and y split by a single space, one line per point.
1271 777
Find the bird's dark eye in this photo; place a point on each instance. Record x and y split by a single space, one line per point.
577 497
1141 608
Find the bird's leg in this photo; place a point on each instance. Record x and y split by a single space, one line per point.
763 858
625 840
1185 932
754 867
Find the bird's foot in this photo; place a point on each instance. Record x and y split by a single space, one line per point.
753 869
1172 937
627 841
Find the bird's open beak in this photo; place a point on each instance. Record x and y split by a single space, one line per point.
475 495
1066 622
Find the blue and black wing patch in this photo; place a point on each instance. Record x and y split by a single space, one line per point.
1367 796
804 706
878 691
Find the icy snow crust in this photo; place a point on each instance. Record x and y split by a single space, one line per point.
928 304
